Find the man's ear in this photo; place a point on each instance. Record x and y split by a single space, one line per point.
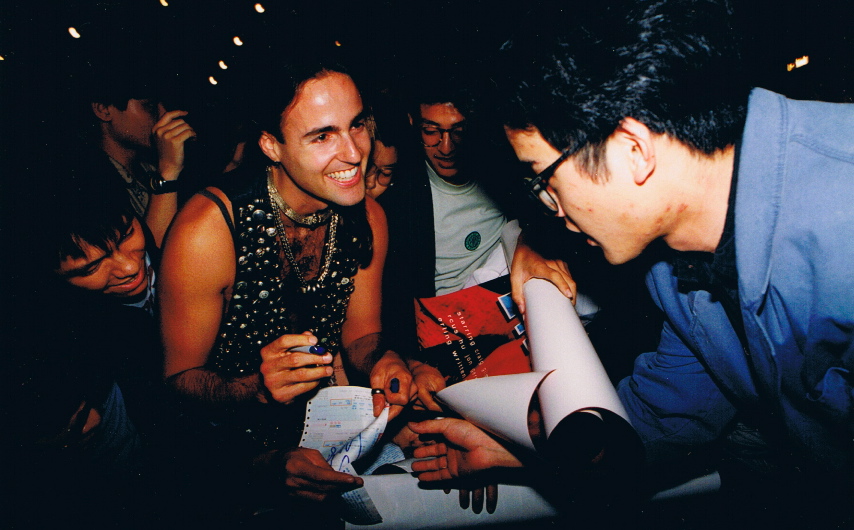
270 145
640 141
102 111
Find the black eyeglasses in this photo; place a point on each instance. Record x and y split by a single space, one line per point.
431 136
538 185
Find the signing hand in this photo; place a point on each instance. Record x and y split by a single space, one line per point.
397 393
528 264
171 133
286 374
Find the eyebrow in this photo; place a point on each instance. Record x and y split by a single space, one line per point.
79 271
319 130
334 128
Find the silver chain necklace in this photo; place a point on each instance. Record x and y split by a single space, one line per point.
285 245
312 220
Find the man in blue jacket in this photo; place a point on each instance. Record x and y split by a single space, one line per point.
638 129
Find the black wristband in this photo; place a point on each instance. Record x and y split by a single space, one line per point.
159 185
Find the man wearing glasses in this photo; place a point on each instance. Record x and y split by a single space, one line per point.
639 128
442 224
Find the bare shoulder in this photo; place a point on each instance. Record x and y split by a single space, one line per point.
201 222
200 240
376 214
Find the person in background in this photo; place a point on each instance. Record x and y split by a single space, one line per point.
142 140
389 131
84 356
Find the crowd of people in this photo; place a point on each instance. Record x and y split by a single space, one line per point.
164 312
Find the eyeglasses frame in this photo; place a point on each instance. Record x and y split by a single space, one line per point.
539 183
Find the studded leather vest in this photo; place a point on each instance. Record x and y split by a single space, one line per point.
264 305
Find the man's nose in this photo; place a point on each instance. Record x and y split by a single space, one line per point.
126 264
446 144
350 150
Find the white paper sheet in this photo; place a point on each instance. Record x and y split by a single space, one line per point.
340 423
406 506
571 374
560 345
498 404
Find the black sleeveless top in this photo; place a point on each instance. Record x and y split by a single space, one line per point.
264 305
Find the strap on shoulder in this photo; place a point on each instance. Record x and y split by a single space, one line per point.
216 200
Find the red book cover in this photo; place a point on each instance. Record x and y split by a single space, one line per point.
471 333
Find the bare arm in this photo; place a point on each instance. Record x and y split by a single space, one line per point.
361 331
171 133
196 271
196 274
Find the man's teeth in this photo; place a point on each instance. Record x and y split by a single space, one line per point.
344 175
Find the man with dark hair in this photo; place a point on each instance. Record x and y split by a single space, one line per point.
83 355
637 124
143 141
287 255
444 227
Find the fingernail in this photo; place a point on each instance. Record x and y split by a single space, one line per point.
395 386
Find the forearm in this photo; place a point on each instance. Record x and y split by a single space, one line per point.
158 216
205 387
361 355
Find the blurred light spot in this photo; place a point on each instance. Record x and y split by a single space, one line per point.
73 32
799 62
223 65
2 58
259 8
212 80
164 3
237 41
337 43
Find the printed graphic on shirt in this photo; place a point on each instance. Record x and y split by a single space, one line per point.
473 240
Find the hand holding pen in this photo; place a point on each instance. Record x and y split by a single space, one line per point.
292 365
392 384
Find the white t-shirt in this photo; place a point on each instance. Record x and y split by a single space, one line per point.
467 226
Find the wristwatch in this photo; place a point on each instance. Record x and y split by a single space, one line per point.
159 185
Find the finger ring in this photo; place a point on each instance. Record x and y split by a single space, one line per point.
376 391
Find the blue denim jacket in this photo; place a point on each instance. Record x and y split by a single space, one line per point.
794 232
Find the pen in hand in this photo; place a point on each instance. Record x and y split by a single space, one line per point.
317 350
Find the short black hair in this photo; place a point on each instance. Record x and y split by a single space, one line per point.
673 65
438 81
92 204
